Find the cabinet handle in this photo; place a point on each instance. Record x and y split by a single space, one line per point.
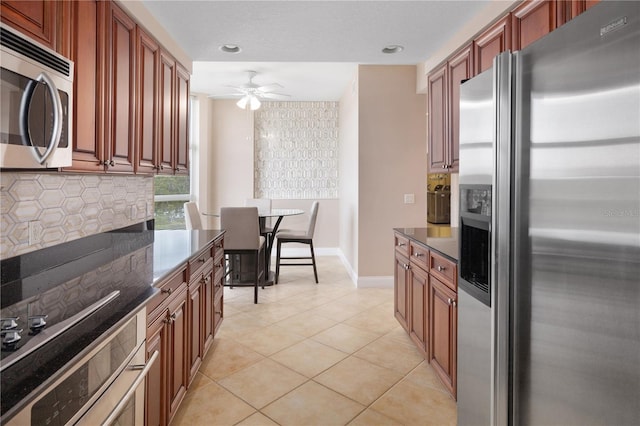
167 291
112 163
201 260
449 300
407 267
401 244
206 279
441 268
454 303
418 254
218 312
177 169
170 319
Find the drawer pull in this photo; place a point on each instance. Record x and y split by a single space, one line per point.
167 290
449 301
454 303
201 260
441 268
419 254
401 244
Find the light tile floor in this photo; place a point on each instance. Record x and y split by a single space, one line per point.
314 354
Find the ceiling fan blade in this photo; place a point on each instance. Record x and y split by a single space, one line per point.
226 95
272 95
269 87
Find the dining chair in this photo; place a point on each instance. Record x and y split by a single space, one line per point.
242 237
192 217
264 207
302 236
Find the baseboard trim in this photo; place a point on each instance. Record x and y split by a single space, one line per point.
359 282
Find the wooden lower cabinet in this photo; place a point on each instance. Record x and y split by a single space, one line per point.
401 290
167 381
425 293
182 321
419 292
443 332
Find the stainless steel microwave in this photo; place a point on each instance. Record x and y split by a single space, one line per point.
36 104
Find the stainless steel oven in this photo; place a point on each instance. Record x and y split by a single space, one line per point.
36 104
105 386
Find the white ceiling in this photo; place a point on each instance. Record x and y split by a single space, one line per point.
311 48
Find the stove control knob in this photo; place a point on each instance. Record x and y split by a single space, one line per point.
9 323
37 323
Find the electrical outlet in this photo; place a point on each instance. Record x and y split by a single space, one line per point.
409 198
35 232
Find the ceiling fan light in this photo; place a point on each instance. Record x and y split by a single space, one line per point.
242 103
255 103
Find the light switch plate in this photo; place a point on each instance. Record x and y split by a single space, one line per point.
409 198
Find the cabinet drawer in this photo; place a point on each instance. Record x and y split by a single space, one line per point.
198 262
218 249
401 245
205 271
419 255
444 269
167 287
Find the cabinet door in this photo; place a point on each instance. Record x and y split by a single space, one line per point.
177 352
147 103
438 135
460 68
35 18
495 40
419 285
155 387
120 132
531 21
208 294
87 19
401 290
195 328
443 317
580 6
182 121
167 85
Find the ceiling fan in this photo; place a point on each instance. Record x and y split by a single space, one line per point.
251 93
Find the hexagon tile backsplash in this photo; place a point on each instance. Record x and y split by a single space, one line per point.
44 209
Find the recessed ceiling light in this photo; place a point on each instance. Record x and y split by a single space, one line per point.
393 48
230 48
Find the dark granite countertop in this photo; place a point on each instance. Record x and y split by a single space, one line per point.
130 260
443 239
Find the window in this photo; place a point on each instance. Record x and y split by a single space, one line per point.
171 192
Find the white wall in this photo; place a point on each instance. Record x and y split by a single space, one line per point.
392 162
348 164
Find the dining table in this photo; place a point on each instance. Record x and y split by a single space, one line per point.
269 233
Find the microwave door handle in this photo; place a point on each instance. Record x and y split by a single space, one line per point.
25 102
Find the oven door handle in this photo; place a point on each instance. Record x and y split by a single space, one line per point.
132 389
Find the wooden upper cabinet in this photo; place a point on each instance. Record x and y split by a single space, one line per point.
182 120
460 68
86 22
579 6
147 103
121 60
533 20
36 19
167 125
437 106
494 40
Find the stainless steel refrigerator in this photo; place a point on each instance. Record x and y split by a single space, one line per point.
549 272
